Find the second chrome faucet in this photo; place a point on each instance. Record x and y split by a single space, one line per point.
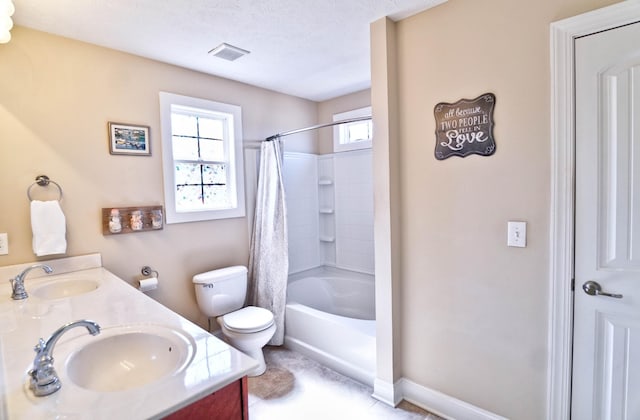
17 284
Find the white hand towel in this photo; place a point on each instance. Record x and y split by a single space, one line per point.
49 228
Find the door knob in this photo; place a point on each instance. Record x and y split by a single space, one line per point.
594 289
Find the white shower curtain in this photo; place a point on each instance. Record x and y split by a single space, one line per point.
269 257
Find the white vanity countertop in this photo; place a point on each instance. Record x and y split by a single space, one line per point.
114 303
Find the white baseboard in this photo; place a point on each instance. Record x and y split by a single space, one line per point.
386 392
442 404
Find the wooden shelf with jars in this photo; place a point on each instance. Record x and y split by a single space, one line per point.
118 220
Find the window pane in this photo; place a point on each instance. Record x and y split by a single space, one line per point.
184 125
212 150
358 132
214 174
185 148
188 198
216 196
188 173
211 128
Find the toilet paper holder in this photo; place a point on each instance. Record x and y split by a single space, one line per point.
148 271
150 282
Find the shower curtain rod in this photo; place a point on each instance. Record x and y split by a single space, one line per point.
315 127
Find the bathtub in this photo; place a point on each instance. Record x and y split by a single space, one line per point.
330 317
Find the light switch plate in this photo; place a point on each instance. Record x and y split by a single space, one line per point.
517 234
4 244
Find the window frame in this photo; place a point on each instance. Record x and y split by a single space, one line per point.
337 131
233 154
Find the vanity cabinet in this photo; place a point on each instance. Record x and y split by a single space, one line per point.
211 384
228 403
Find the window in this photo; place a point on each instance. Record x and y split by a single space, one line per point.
202 159
354 135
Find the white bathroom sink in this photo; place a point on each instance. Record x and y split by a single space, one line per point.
64 288
122 358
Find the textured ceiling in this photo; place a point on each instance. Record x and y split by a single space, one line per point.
314 49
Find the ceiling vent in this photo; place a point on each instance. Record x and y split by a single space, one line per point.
228 52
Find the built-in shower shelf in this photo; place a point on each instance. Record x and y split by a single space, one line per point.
327 239
326 210
325 181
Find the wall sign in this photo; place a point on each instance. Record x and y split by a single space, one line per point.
465 127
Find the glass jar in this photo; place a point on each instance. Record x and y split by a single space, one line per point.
136 220
156 219
115 222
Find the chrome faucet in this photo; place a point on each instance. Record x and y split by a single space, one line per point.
17 284
44 379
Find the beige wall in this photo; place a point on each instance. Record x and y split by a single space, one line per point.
326 110
475 313
56 97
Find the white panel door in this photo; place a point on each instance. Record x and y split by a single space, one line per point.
606 360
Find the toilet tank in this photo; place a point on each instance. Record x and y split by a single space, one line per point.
221 291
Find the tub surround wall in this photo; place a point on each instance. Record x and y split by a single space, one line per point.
327 200
300 172
353 174
56 97
330 210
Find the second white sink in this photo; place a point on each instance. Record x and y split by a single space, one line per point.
64 288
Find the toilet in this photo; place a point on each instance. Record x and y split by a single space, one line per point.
221 294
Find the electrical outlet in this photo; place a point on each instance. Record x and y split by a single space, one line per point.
4 244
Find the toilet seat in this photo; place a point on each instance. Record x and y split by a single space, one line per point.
248 320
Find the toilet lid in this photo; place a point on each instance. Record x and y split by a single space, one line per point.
248 320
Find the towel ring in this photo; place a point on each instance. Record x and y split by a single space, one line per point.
43 181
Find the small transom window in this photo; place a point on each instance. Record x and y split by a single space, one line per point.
354 135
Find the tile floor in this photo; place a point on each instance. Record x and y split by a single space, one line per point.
296 387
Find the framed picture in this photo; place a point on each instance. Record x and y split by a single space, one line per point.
128 139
